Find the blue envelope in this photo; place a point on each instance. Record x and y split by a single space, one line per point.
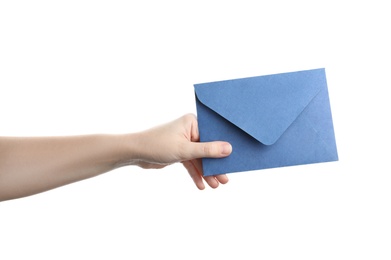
271 121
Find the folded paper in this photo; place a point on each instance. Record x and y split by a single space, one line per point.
271 121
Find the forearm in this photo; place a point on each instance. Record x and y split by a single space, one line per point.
33 165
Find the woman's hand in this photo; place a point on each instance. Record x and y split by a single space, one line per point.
178 141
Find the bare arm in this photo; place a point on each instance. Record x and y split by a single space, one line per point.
32 165
29 165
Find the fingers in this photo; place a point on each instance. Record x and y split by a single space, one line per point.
215 181
195 150
195 174
215 149
222 178
195 170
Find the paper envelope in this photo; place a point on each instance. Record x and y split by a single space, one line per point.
271 121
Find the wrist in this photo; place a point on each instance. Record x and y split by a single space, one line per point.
127 148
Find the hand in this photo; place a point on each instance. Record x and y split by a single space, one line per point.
178 141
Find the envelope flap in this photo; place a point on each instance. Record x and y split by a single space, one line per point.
263 106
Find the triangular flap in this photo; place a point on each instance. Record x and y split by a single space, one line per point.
263 106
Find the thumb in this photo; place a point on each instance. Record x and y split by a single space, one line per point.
215 149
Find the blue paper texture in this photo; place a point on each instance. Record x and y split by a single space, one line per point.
271 121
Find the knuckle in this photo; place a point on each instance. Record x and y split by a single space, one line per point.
189 117
209 150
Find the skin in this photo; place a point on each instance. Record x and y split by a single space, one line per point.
30 165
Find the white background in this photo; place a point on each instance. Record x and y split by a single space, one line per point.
81 67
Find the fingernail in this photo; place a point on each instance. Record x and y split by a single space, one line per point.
226 149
